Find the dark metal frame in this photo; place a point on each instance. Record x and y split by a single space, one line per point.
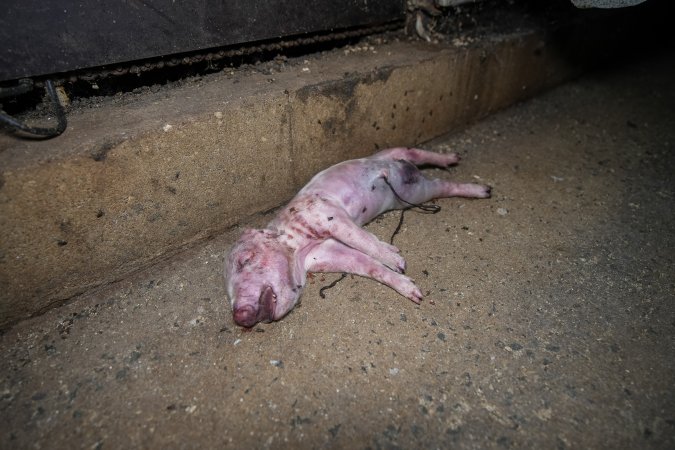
43 37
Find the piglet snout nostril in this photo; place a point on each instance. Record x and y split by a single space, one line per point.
245 316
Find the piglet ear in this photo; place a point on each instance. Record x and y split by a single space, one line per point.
267 302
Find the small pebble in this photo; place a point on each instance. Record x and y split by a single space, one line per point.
502 211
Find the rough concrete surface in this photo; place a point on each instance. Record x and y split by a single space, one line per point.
137 177
548 321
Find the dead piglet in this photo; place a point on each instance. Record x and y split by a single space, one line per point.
320 231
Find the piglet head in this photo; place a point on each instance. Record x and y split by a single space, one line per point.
262 281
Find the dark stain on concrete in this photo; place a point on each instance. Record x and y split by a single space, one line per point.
331 125
345 88
344 91
66 226
101 153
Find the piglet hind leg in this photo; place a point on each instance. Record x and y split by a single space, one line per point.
419 157
470 190
424 190
333 256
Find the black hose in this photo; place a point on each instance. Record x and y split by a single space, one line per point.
40 131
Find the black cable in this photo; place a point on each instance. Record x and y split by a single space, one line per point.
24 85
398 227
40 131
322 295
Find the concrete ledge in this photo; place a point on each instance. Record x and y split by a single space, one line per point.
135 180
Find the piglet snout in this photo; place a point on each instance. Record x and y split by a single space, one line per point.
248 315
245 316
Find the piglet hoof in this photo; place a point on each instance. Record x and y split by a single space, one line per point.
415 295
478 190
452 159
487 191
395 262
406 287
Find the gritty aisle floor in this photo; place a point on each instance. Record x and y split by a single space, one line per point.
548 321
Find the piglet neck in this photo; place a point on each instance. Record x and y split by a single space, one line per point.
292 242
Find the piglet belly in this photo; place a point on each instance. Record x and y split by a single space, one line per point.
368 201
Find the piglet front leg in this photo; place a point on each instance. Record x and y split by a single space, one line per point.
334 256
333 221
347 232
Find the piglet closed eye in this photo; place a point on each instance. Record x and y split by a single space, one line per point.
320 231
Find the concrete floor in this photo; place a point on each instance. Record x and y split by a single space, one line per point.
142 175
548 322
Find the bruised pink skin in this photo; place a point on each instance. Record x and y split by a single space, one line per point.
320 231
